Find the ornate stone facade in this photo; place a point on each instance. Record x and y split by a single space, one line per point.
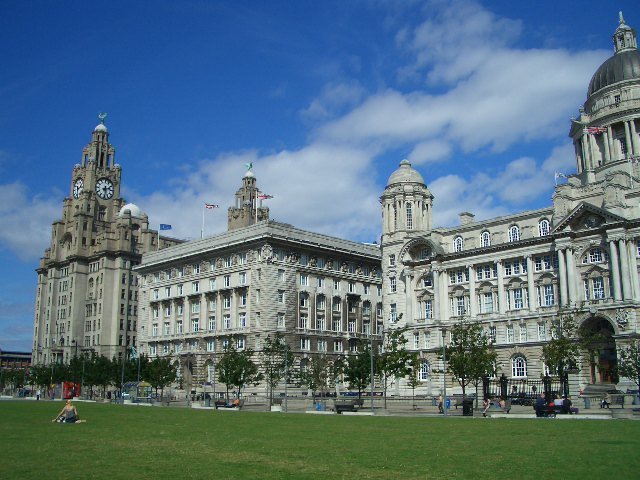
518 273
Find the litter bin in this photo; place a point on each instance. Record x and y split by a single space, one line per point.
467 407
587 402
207 402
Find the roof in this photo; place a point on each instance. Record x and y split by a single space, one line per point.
624 65
405 174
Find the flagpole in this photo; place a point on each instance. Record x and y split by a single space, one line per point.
158 245
202 230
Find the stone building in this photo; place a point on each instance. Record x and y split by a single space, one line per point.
323 294
518 273
87 294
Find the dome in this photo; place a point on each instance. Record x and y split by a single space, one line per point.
100 128
624 65
249 174
133 209
405 174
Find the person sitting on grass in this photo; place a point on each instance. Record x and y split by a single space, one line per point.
68 414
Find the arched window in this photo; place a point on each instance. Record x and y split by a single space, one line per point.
409 213
424 370
543 227
458 244
514 233
485 239
518 367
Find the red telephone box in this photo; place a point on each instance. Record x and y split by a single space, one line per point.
70 390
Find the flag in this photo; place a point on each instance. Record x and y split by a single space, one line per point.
210 206
560 175
264 196
594 130
165 226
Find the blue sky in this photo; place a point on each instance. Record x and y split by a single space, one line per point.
325 98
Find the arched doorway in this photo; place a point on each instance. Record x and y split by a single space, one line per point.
597 335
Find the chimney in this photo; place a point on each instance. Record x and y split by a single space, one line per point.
466 218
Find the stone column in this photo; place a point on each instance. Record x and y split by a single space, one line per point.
610 140
571 277
593 150
408 296
586 153
502 303
562 273
627 294
633 268
615 270
473 304
444 296
635 141
435 308
627 139
530 285
605 141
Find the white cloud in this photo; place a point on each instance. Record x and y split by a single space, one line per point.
26 220
321 187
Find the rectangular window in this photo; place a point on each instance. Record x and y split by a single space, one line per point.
393 285
226 321
195 325
243 298
195 307
510 335
320 282
212 323
226 301
305 344
367 289
598 288
179 327
460 310
549 296
243 278
428 309
280 296
493 334
242 319
195 287
227 280
487 303
167 292
336 284
179 308
393 312
211 345
240 343
280 275
416 341
180 289
156 294
542 332
321 323
523 333
352 287
154 330
517 299
335 325
337 346
351 326
322 345
280 320
303 322
304 280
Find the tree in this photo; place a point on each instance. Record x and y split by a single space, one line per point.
236 368
357 370
470 355
394 360
563 350
274 358
413 375
629 361
159 373
314 373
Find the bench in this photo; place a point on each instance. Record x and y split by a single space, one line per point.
553 410
347 405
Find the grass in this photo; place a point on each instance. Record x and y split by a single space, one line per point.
178 443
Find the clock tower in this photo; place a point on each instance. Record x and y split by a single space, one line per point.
86 299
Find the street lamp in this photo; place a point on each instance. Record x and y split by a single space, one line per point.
444 370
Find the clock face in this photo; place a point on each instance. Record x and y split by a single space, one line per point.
78 186
104 188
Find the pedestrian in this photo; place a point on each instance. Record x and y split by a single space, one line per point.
605 402
38 393
486 404
441 404
540 405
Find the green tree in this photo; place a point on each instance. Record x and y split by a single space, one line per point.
160 373
629 361
470 355
357 369
314 373
413 375
274 359
236 368
563 350
394 360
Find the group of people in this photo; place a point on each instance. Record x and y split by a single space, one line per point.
562 405
487 403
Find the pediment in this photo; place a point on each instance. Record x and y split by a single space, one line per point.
586 217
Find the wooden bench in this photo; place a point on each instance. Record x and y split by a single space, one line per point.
223 404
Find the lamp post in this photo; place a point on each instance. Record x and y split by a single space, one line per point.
371 356
444 370
75 365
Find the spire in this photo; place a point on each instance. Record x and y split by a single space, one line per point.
624 38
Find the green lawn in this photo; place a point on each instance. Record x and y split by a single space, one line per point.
179 443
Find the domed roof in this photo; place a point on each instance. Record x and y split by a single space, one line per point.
100 128
133 209
624 65
249 174
405 174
